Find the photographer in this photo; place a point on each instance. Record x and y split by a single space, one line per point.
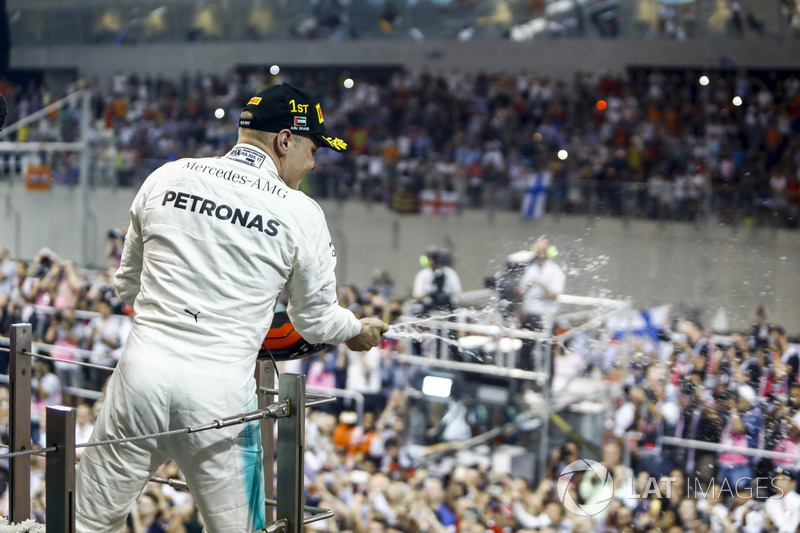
64 335
437 285
659 413
436 289
65 284
561 457
779 344
116 238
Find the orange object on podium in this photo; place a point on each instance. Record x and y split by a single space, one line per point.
38 177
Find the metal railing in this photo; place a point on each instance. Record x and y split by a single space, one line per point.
60 448
719 447
588 313
630 436
317 391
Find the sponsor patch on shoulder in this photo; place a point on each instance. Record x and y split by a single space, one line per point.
245 155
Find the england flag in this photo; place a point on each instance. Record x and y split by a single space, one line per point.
438 202
533 203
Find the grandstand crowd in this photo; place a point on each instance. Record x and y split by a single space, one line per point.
376 471
645 143
340 20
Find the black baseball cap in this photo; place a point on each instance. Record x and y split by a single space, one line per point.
284 106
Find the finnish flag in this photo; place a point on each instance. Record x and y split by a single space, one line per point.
533 202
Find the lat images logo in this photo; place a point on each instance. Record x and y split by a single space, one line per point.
590 468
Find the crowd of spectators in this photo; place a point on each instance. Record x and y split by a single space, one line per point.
652 144
128 23
376 470
645 143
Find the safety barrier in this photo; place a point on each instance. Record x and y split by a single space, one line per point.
719 447
501 340
79 353
627 456
59 452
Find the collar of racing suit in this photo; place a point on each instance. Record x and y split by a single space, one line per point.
240 154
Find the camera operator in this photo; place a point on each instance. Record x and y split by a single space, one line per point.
116 238
437 285
540 286
506 282
436 289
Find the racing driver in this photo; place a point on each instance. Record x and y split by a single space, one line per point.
211 244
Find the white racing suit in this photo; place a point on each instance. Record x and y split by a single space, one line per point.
211 244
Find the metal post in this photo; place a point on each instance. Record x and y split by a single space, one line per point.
60 473
20 422
291 445
443 348
265 379
83 178
545 345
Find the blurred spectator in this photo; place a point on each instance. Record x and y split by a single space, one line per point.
147 515
101 288
8 271
659 415
382 283
65 284
591 486
761 326
783 509
794 404
562 456
343 431
788 354
10 313
735 469
66 335
540 285
106 337
84 424
434 494
698 355
116 239
627 413
46 392
364 375
746 361
361 438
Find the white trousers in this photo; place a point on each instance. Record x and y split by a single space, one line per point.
223 467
